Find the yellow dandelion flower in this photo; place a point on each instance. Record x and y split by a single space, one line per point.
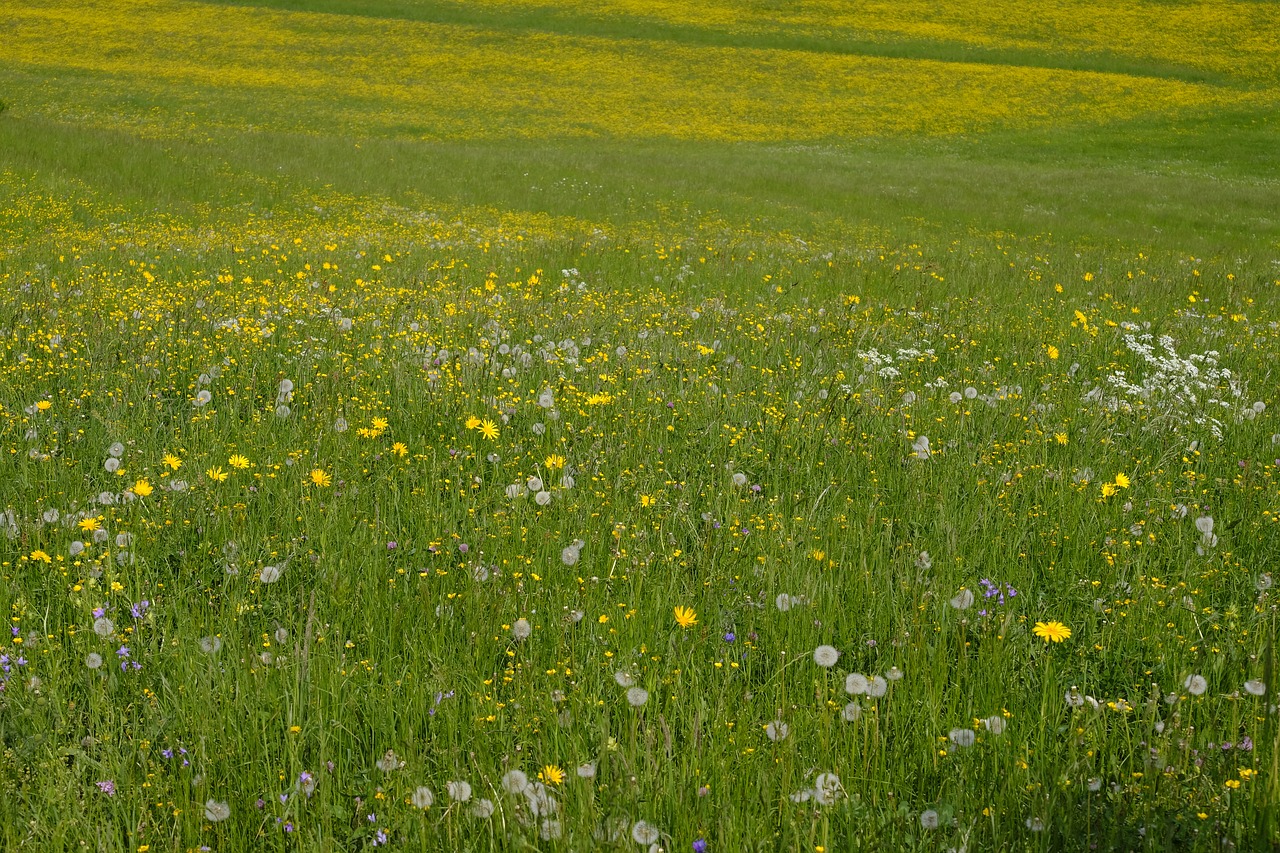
173 462
686 617
320 478
473 422
554 461
44 405
41 556
599 399
217 474
238 461
1060 437
90 524
1122 482
1051 631
400 449
1052 351
1108 489
381 424
142 488
647 500
489 429
551 775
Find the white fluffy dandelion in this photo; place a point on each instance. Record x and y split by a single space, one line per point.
423 798
928 819
851 712
515 782
1196 685
521 629
877 687
459 791
961 737
962 600
1255 687
637 696
644 833
826 656
777 731
215 811
855 684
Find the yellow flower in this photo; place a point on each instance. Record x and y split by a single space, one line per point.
819 555
90 524
217 474
685 617
555 460
1055 631
551 775
44 405
381 424
142 488
1052 350
647 500
1122 482
473 422
599 399
489 429
400 449
1060 437
172 461
238 461
41 556
1108 489
320 478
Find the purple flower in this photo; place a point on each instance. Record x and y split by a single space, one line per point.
107 787
140 609
98 613
700 846
729 637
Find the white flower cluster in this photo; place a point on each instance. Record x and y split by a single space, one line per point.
1174 390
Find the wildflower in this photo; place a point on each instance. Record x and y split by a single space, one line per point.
103 627
521 629
1255 687
41 556
1051 631
739 479
215 811
238 462
90 524
685 617
270 574
587 771
894 674
570 554
624 679
473 422
826 656
489 429
210 645
644 833
554 461
962 600
995 724
777 731
851 712
929 819
647 500
400 449
107 786
320 478
921 447
855 684
961 737
542 498
1060 437
203 398
1196 685
1052 351
637 696
1122 482
700 845
93 660
389 762
515 782
482 809
172 462
423 797
877 687
551 775
599 399
217 474
142 488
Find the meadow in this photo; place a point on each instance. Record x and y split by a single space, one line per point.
698 427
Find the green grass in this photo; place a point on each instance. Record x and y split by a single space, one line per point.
744 343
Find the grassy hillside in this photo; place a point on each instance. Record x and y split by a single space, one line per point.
646 426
